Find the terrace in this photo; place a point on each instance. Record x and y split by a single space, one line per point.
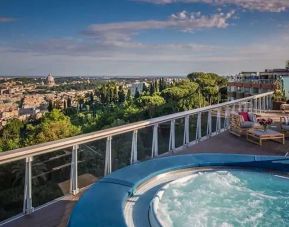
47 179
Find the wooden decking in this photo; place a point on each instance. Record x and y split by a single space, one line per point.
57 214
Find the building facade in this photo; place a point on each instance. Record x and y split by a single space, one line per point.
251 83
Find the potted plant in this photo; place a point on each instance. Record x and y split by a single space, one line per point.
278 96
265 123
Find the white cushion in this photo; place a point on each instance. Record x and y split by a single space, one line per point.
285 127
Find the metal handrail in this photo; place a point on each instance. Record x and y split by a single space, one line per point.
38 149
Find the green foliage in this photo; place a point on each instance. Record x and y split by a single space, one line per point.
151 103
137 94
111 105
278 94
152 88
209 85
182 96
11 135
55 125
121 95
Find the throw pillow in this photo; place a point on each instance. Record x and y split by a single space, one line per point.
245 116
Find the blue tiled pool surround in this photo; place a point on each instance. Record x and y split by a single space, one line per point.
102 204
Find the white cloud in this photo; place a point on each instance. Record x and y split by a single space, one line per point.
122 32
260 5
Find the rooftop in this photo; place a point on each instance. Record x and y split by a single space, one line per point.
55 212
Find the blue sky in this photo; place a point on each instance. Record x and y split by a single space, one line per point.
142 37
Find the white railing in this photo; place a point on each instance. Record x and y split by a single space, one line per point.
256 103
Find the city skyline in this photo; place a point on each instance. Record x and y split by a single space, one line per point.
142 37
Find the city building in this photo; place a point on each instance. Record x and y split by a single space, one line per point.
251 83
136 86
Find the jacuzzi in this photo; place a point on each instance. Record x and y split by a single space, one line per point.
190 190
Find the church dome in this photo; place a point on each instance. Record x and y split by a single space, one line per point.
50 80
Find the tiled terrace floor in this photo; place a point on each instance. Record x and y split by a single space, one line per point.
228 143
57 214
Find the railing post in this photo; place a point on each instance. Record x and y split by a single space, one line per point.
233 108
27 203
199 127
270 102
240 107
251 106
227 118
264 103
107 166
155 144
73 171
267 102
218 122
260 105
209 124
133 157
246 106
187 130
255 105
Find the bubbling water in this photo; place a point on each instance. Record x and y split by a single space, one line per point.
225 198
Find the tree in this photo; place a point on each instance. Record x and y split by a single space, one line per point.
128 96
91 98
162 84
115 94
210 85
287 64
152 88
55 125
121 95
50 106
156 86
151 103
69 102
136 94
182 96
103 95
11 135
145 88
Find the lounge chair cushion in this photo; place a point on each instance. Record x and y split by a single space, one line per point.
252 117
248 124
284 107
285 127
285 120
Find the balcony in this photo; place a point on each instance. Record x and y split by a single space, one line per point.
47 179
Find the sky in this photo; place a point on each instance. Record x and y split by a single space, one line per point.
142 37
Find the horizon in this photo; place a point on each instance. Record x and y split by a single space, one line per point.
142 37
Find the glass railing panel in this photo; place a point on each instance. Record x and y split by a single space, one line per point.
179 131
204 123
91 158
223 110
121 150
164 137
144 143
214 120
50 176
193 127
12 177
